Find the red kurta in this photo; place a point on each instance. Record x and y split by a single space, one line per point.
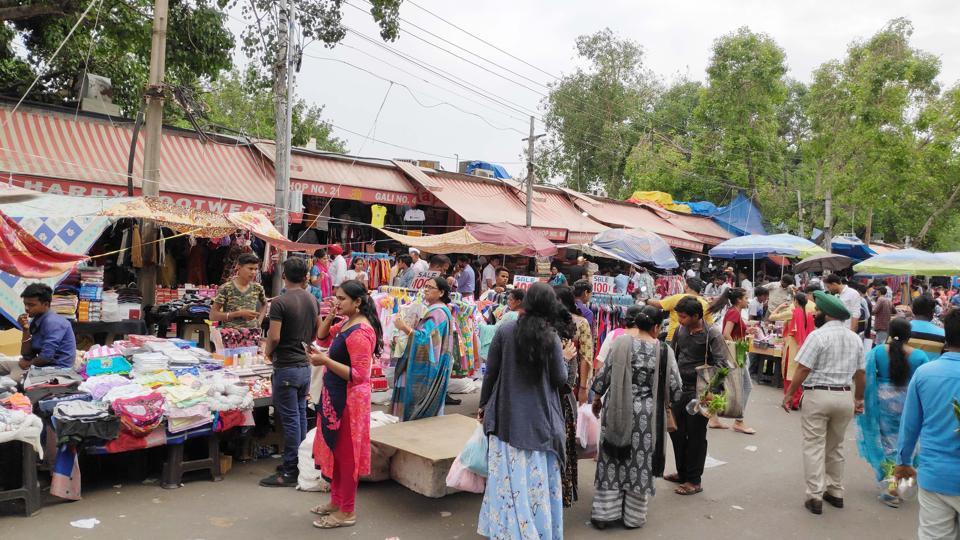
360 345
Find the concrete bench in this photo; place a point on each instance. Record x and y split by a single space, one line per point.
425 450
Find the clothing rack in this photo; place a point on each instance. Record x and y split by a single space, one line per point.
389 289
364 255
613 299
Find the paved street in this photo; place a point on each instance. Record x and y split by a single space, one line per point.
755 495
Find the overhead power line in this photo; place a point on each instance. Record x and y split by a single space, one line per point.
485 42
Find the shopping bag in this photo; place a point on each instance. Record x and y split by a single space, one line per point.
588 427
733 388
474 454
464 479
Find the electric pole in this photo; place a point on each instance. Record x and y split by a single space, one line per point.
530 140
799 214
828 221
151 148
282 92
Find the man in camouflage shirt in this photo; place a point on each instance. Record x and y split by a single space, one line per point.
241 302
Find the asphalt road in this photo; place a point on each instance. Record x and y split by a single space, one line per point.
756 494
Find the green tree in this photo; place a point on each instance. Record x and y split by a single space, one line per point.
593 116
116 37
738 140
241 102
870 118
661 158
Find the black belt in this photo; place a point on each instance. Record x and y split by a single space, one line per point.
831 388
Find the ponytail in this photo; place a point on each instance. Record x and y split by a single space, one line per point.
899 364
729 297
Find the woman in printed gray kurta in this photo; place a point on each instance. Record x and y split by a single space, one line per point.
637 381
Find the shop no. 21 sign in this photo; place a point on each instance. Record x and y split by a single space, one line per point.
603 285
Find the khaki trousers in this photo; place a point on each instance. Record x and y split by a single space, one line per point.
939 515
824 421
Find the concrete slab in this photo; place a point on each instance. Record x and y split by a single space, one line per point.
425 450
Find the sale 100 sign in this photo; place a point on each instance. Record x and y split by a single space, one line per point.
524 282
421 278
603 285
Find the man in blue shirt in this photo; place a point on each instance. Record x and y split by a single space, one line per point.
929 415
48 338
925 335
466 278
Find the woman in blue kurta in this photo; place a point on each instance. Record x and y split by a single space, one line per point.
423 372
888 369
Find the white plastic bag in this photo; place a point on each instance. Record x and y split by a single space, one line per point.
464 479
309 478
588 427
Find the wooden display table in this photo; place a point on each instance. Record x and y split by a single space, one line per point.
768 356
425 450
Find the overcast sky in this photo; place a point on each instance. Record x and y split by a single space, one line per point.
676 36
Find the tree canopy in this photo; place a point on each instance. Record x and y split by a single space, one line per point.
873 128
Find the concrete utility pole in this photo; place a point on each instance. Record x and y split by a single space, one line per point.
800 214
828 222
151 149
530 140
283 92
868 233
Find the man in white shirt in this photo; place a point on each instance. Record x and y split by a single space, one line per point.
643 283
758 305
780 292
831 371
746 284
716 287
338 267
419 265
849 296
489 276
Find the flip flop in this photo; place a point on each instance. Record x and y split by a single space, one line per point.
672 478
719 426
745 431
688 491
330 522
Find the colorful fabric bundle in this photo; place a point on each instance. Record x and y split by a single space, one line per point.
140 415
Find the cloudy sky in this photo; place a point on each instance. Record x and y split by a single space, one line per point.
676 36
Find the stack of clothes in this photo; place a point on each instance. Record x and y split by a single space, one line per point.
79 420
149 362
129 302
186 406
65 302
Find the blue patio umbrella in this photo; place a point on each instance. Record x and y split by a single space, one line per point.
636 246
758 246
853 247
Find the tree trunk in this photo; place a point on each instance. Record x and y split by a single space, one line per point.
936 213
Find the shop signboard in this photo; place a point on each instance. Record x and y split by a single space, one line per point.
421 278
603 285
320 189
524 282
89 189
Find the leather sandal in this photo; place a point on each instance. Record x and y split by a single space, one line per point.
322 510
330 521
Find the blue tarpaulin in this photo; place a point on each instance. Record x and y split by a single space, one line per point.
498 171
702 208
740 217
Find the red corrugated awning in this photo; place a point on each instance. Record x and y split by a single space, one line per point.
479 200
702 228
617 214
323 174
60 153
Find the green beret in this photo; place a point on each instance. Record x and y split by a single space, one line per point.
831 305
